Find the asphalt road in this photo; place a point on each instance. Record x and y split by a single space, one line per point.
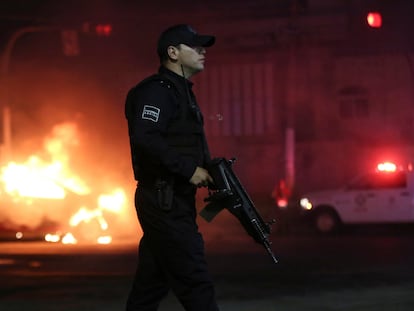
358 270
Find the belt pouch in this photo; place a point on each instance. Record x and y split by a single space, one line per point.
165 194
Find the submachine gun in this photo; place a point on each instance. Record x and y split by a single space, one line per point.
228 193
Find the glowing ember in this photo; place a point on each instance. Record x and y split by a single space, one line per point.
104 240
49 237
69 239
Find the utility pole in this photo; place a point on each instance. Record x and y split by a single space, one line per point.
292 76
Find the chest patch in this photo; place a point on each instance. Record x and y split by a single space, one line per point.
151 113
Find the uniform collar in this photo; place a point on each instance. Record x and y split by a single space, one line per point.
173 76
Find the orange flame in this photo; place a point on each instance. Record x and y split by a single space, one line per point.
38 178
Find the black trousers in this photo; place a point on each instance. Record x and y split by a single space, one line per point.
170 256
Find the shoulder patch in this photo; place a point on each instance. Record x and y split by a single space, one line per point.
150 113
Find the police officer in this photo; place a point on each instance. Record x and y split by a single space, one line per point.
169 151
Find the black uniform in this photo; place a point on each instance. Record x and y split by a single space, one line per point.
167 144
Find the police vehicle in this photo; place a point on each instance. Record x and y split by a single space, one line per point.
383 196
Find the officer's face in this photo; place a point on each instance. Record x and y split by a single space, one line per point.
192 58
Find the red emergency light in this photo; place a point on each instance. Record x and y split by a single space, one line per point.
374 19
103 30
282 202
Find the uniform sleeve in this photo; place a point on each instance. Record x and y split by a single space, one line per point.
151 108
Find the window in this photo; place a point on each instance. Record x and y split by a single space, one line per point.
353 103
238 100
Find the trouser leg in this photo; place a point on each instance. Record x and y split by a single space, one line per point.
149 285
182 256
177 256
189 277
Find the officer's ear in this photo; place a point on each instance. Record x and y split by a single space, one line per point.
172 52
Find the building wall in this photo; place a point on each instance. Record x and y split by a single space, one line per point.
348 107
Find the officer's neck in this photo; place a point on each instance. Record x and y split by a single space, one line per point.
180 70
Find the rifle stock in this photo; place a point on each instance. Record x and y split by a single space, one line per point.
228 193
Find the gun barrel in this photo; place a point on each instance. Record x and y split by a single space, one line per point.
264 240
266 244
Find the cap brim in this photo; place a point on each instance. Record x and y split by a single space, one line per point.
203 40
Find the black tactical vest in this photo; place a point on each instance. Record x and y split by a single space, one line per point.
185 133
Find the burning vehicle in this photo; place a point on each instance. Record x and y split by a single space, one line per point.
41 198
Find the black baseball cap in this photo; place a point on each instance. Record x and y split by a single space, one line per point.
182 34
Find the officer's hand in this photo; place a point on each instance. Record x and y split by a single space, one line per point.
201 178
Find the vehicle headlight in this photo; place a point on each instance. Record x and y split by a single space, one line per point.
306 204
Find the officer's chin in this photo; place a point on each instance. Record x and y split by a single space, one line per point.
199 68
